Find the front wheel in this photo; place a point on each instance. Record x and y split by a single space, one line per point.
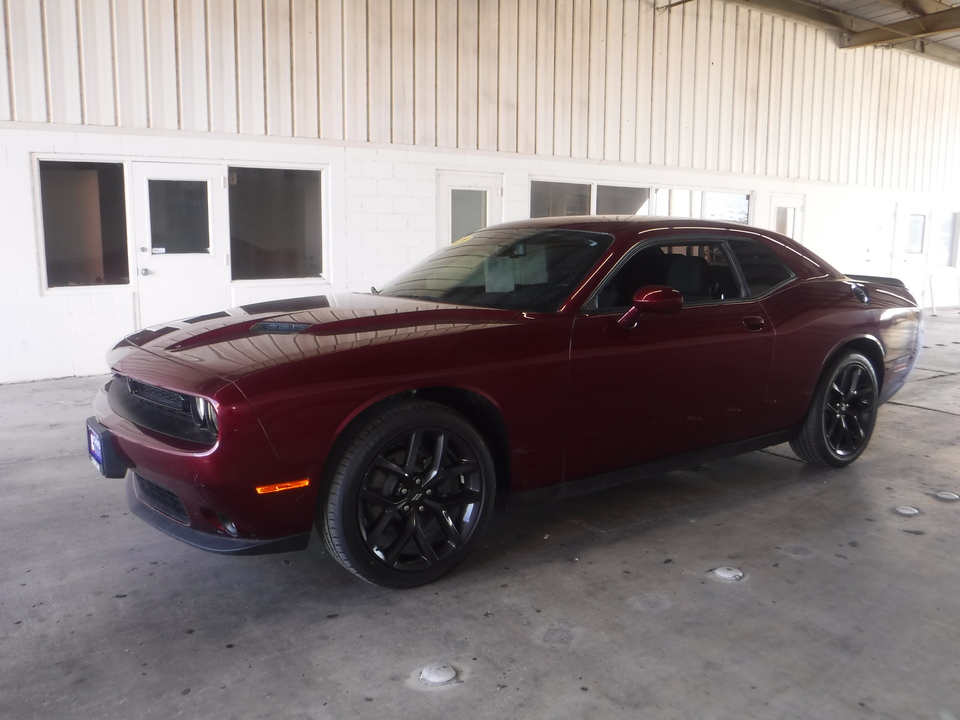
840 420
408 495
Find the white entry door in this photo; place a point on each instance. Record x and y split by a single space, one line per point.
182 248
910 248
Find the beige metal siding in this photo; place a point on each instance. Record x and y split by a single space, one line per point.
705 85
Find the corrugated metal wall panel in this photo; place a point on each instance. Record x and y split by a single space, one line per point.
563 104
97 69
192 69
330 94
26 44
705 85
508 76
63 62
379 76
447 73
488 76
131 91
278 68
305 69
4 68
403 113
467 40
161 52
527 79
222 65
548 54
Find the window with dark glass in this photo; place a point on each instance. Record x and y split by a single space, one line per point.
559 199
84 224
275 223
616 200
761 267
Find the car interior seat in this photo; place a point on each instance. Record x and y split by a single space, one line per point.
691 276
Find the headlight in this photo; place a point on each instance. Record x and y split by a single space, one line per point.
204 414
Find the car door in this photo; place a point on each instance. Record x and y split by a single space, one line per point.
673 383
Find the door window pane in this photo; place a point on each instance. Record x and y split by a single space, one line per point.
915 233
556 199
179 221
468 212
84 226
612 200
786 220
275 223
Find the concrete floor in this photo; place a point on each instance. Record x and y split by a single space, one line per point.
594 607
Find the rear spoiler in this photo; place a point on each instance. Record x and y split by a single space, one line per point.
878 280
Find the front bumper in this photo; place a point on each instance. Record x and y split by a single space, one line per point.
206 496
208 541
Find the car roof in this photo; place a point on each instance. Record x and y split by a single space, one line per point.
625 229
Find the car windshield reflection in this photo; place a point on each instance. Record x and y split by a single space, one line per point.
508 268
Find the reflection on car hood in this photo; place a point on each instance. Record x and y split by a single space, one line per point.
242 340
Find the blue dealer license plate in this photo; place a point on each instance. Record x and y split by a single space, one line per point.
95 447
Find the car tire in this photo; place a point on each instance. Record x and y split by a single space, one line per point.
841 417
408 496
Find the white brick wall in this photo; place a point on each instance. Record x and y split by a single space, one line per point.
379 216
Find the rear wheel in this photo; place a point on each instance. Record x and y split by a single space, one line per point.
409 495
840 420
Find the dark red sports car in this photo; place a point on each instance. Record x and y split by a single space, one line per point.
531 354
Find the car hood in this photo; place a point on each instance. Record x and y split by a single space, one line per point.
236 342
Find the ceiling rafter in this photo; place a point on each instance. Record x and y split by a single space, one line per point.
919 27
852 26
917 7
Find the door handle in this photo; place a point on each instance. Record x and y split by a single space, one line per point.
753 323
147 272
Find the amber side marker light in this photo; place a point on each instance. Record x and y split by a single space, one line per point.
264 489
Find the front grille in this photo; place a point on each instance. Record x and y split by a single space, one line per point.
167 399
158 409
162 500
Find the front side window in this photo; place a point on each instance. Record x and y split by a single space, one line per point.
84 225
701 272
515 269
274 223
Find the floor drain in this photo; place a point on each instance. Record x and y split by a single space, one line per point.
728 573
947 496
438 675
906 510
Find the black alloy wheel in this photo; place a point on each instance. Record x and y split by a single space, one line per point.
840 421
408 496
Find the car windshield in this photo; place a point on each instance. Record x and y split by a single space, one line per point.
511 268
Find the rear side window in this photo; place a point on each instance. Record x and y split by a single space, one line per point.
762 269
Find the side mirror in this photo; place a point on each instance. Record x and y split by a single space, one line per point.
652 298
